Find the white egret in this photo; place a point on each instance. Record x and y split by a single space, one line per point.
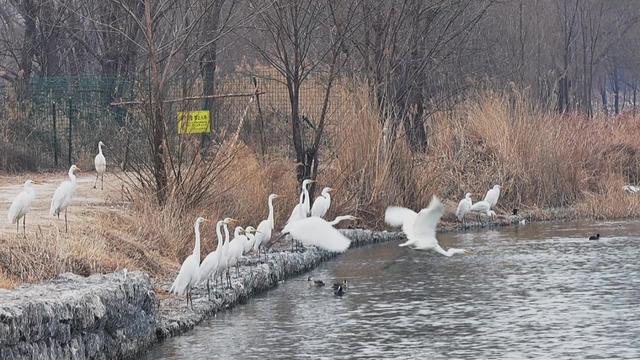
224 255
263 234
101 166
301 210
63 195
211 262
315 231
341 218
251 239
399 216
492 196
189 273
21 206
423 235
463 207
482 207
236 249
322 203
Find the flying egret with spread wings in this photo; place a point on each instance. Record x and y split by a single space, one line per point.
423 233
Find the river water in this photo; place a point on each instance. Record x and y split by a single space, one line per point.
533 291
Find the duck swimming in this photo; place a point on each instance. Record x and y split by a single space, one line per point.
338 291
338 284
317 283
596 237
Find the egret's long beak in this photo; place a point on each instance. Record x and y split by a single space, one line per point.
276 196
36 182
233 221
206 220
78 169
330 189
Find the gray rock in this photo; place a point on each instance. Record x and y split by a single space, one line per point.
73 317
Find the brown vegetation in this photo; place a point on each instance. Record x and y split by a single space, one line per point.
543 161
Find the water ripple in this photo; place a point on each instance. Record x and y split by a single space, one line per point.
539 291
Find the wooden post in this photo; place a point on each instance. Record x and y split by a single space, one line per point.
262 140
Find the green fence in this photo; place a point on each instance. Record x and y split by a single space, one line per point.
51 123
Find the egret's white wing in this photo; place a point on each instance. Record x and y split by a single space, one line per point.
397 216
263 234
424 227
320 206
209 265
62 197
296 214
20 206
188 275
315 231
492 197
100 163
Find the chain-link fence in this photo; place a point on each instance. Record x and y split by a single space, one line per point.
50 123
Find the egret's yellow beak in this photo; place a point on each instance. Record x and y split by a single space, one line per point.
233 221
276 196
34 182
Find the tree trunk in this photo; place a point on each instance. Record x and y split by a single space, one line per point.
208 65
156 113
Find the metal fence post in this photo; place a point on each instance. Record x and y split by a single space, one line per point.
55 134
70 128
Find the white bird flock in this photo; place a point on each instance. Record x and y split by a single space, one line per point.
306 224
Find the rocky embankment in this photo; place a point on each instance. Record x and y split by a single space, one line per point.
110 316
120 315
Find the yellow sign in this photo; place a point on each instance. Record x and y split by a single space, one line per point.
194 122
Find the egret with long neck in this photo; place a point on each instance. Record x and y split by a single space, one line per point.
101 166
63 195
189 274
265 228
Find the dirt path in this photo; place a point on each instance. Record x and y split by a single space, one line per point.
86 202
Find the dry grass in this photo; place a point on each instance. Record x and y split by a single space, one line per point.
543 161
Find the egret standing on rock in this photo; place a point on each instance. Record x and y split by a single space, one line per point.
211 262
63 195
301 210
21 206
492 196
322 203
423 234
463 207
263 234
189 274
101 166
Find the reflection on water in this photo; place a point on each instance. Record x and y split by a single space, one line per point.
540 291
